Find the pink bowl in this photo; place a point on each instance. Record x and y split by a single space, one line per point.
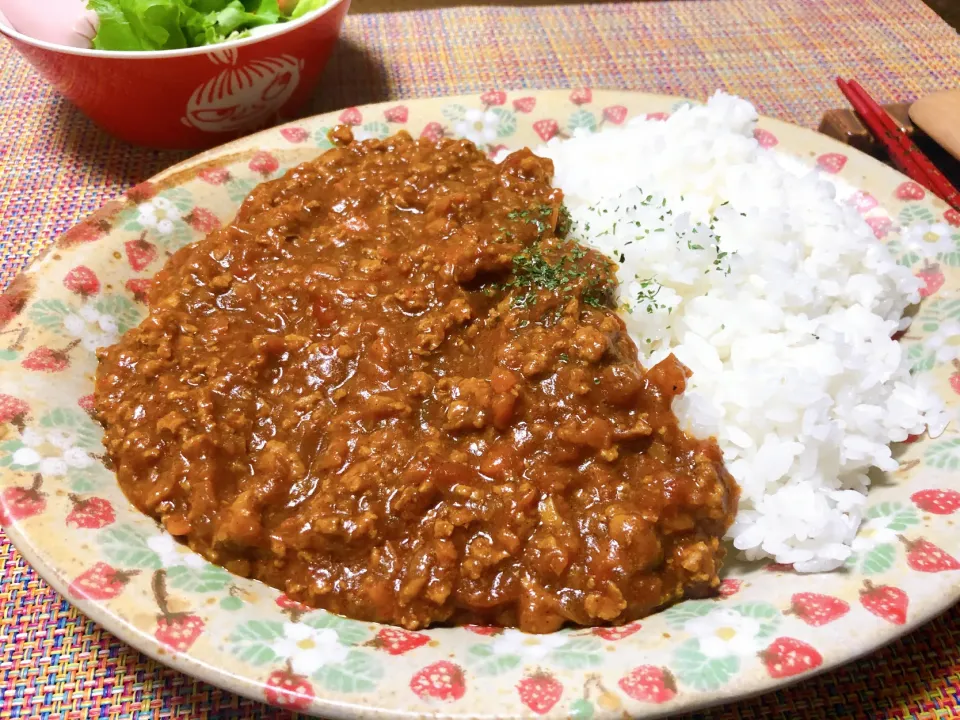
193 98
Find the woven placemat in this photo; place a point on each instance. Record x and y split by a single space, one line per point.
783 54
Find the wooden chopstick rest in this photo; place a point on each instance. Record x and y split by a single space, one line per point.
845 125
939 116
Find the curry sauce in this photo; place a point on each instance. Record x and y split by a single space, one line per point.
396 388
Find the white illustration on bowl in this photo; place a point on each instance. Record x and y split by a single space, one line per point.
242 97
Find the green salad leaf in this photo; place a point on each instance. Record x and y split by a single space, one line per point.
141 24
305 6
176 24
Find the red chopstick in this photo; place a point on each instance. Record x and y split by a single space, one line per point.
927 173
905 154
873 118
937 183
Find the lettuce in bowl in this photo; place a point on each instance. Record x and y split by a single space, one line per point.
176 24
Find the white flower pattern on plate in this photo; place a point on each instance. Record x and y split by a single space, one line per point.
93 328
360 134
945 342
725 632
308 648
478 126
532 647
172 553
872 533
927 239
159 214
52 452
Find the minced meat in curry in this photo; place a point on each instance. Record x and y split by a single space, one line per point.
395 388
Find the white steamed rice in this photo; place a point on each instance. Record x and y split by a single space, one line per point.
779 298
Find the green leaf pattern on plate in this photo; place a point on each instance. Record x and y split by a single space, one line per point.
935 312
506 121
582 120
767 614
875 546
231 603
349 632
694 668
372 130
74 421
322 646
921 359
123 311
903 257
89 479
952 257
678 615
7 450
252 641
127 548
51 449
581 709
321 138
899 516
485 661
878 559
204 579
577 654
915 214
163 217
722 634
943 455
360 672
239 188
454 113
49 314
923 219
512 649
